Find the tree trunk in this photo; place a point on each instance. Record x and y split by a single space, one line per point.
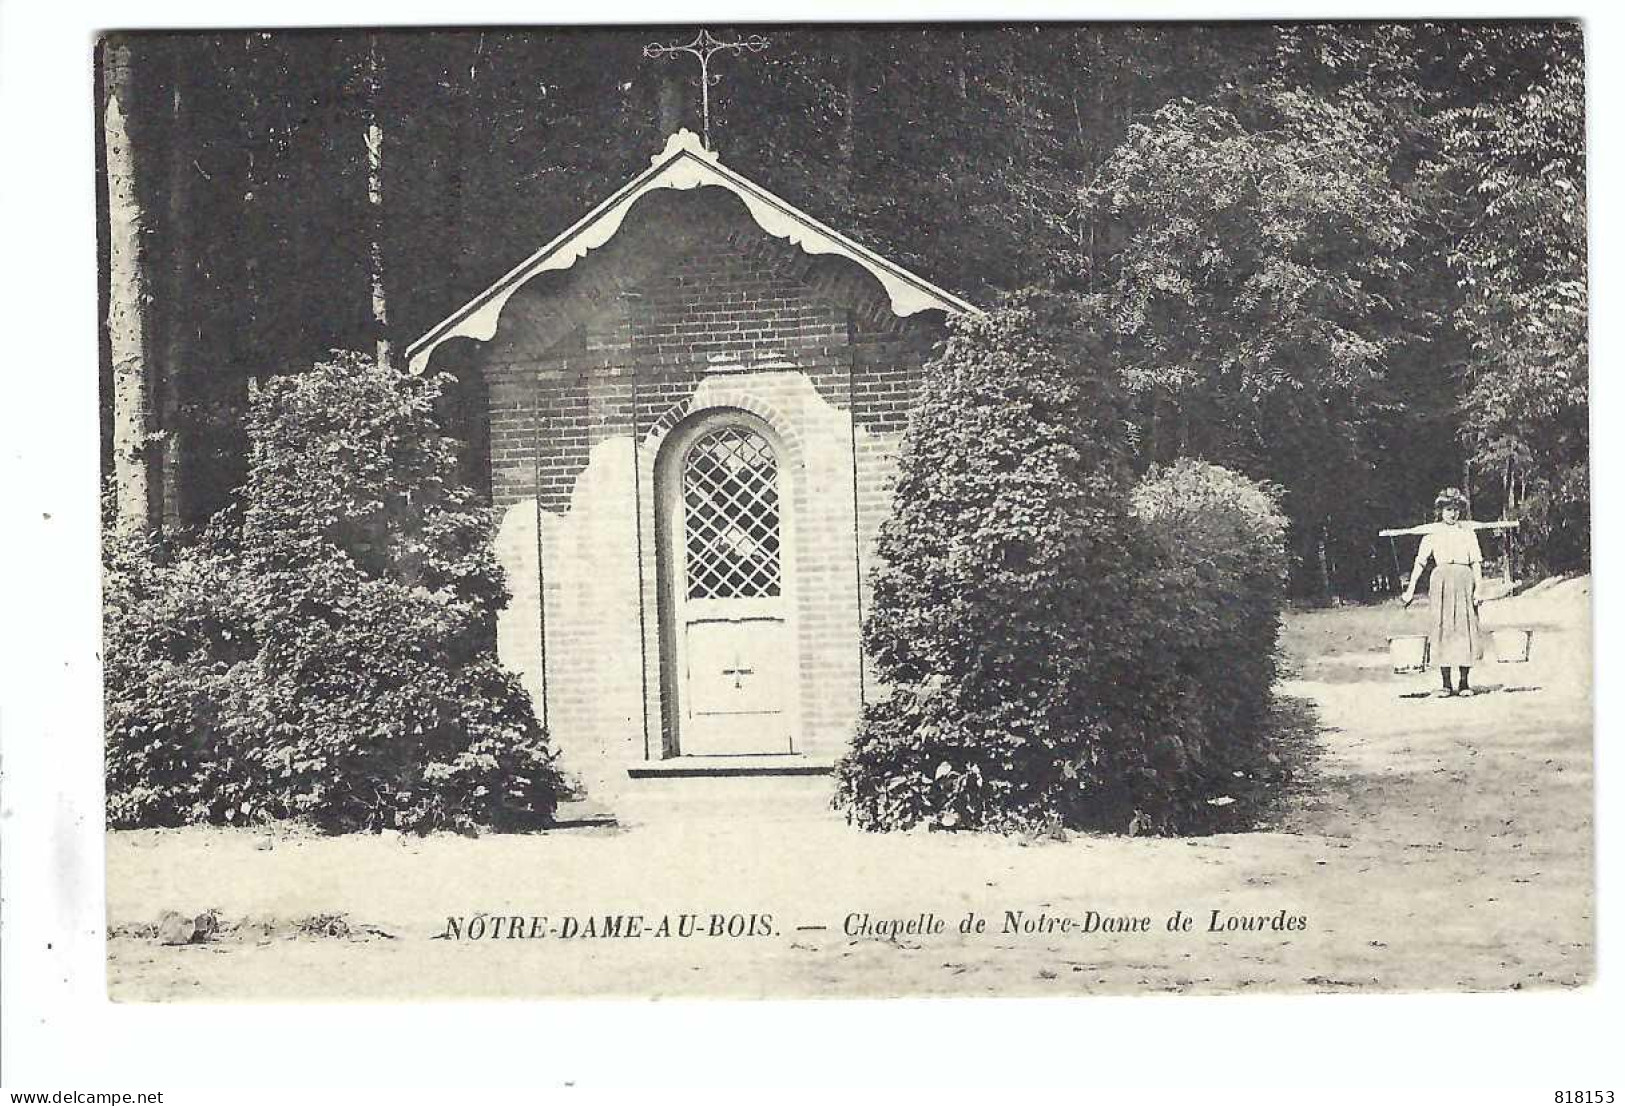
299 333
178 271
1321 541
375 205
1509 507
232 325
127 303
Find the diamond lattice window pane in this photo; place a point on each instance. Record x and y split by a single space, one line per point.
731 516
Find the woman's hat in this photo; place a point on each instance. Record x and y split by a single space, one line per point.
1450 496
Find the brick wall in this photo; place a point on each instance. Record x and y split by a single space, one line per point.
690 308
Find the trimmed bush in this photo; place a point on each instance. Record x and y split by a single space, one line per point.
1058 645
1210 619
328 652
1222 540
1001 607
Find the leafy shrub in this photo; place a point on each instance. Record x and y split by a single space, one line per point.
1042 627
351 679
1001 603
176 646
1223 570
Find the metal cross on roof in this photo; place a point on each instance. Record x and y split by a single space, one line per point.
703 46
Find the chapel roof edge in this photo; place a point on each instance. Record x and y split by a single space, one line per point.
683 163
682 140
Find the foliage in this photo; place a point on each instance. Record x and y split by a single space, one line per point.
1522 264
1223 567
1252 307
328 654
1044 648
1340 257
177 673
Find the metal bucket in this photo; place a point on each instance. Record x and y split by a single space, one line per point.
1408 653
1512 644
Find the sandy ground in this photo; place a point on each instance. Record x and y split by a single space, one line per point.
1438 844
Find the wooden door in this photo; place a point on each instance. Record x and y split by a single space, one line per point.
731 627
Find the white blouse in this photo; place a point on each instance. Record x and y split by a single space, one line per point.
1449 545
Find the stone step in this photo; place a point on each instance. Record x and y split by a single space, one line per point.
778 764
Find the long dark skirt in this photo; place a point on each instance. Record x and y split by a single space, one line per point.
1454 636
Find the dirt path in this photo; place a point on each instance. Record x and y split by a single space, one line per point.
1445 844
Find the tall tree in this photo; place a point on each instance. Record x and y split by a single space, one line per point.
374 139
1252 306
137 506
177 331
1522 263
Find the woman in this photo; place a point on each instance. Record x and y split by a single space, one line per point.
1454 636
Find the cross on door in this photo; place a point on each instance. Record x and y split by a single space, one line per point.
737 672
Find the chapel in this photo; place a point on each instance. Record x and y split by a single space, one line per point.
692 401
